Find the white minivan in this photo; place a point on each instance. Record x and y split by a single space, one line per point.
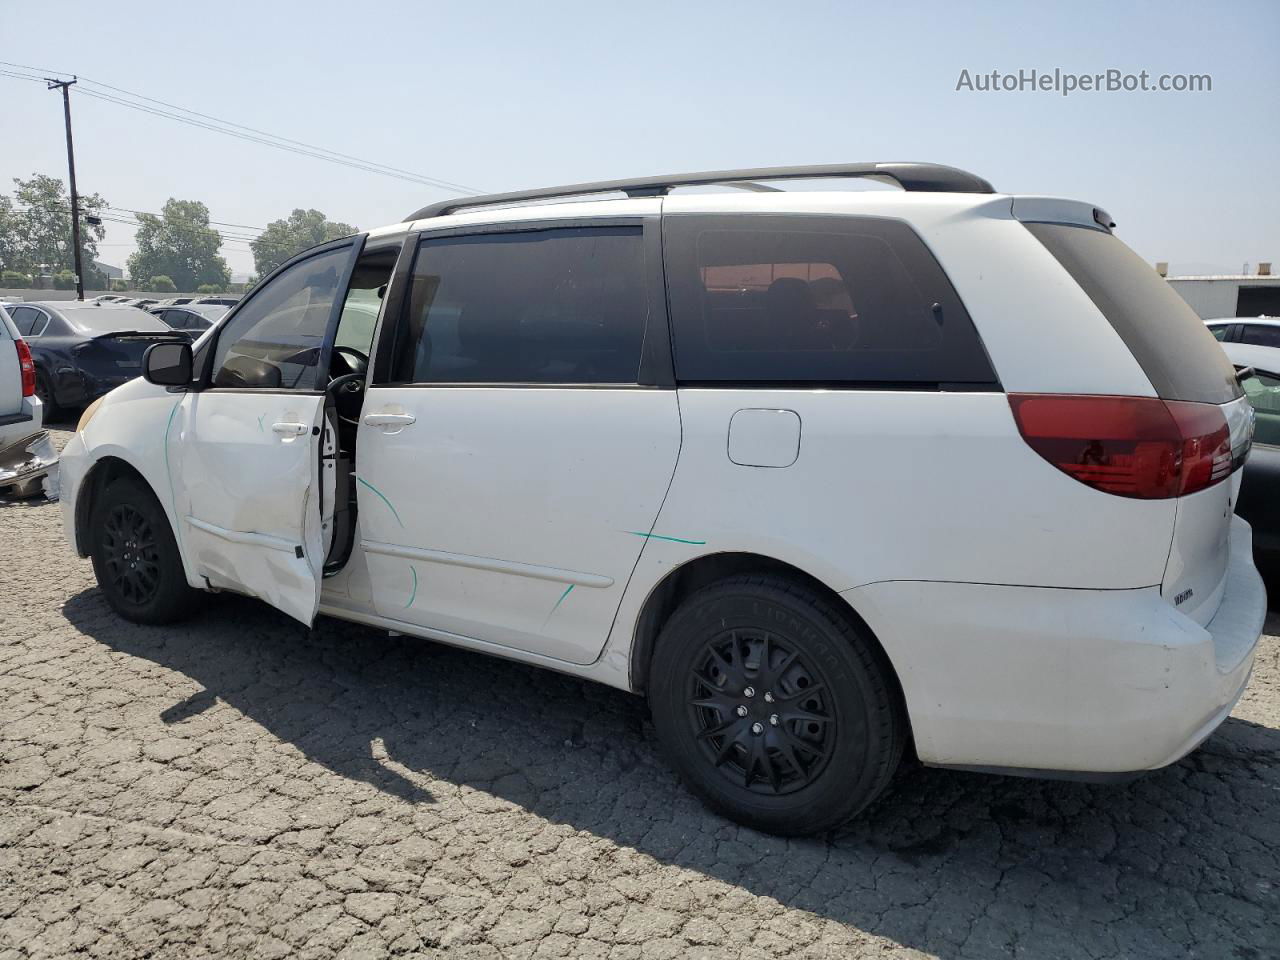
820 473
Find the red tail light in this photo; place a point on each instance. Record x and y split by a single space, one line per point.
1129 446
28 368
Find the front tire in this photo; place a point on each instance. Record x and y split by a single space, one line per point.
773 706
135 556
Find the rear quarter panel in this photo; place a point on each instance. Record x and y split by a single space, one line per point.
901 485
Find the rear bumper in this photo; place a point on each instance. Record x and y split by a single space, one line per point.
28 460
1054 682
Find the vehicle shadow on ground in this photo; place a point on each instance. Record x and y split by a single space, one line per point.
948 863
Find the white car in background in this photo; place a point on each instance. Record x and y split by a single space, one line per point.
27 455
818 473
1255 331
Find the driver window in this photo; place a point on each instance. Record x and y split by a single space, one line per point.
276 339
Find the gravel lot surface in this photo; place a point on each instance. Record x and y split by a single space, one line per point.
241 786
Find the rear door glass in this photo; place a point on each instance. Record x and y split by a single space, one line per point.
1261 334
24 318
1171 344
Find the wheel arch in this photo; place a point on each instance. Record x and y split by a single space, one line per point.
104 471
702 571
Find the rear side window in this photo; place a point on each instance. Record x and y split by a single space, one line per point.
29 321
1261 334
1220 332
564 305
1170 343
799 299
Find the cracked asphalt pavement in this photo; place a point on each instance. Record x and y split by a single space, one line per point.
240 786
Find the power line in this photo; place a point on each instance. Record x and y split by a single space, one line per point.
20 76
221 223
107 217
263 137
367 167
445 184
235 234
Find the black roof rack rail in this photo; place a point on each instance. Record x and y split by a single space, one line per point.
927 177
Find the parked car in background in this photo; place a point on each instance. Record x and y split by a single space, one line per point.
1258 331
140 302
82 350
27 455
1259 498
819 473
219 301
192 319
172 301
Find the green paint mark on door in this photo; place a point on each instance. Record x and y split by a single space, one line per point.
568 590
658 536
415 587
378 493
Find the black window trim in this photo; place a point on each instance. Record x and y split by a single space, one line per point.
993 385
656 371
204 382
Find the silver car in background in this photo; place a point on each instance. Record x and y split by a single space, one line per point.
28 460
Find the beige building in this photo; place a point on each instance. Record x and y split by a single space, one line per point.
1231 295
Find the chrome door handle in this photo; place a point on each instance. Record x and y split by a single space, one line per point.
289 429
389 419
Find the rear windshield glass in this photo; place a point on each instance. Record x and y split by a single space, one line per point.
107 319
1177 352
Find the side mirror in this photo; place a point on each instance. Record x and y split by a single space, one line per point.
167 364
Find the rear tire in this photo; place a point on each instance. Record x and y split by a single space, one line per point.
44 391
135 556
774 708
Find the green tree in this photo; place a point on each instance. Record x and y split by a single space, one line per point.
161 284
178 244
35 226
283 238
119 285
64 280
8 235
15 279
208 288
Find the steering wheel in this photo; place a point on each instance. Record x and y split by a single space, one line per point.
356 361
348 387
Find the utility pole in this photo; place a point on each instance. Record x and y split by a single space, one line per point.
65 86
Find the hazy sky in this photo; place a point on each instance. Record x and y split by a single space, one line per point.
500 96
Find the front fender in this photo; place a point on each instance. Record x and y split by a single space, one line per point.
131 432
